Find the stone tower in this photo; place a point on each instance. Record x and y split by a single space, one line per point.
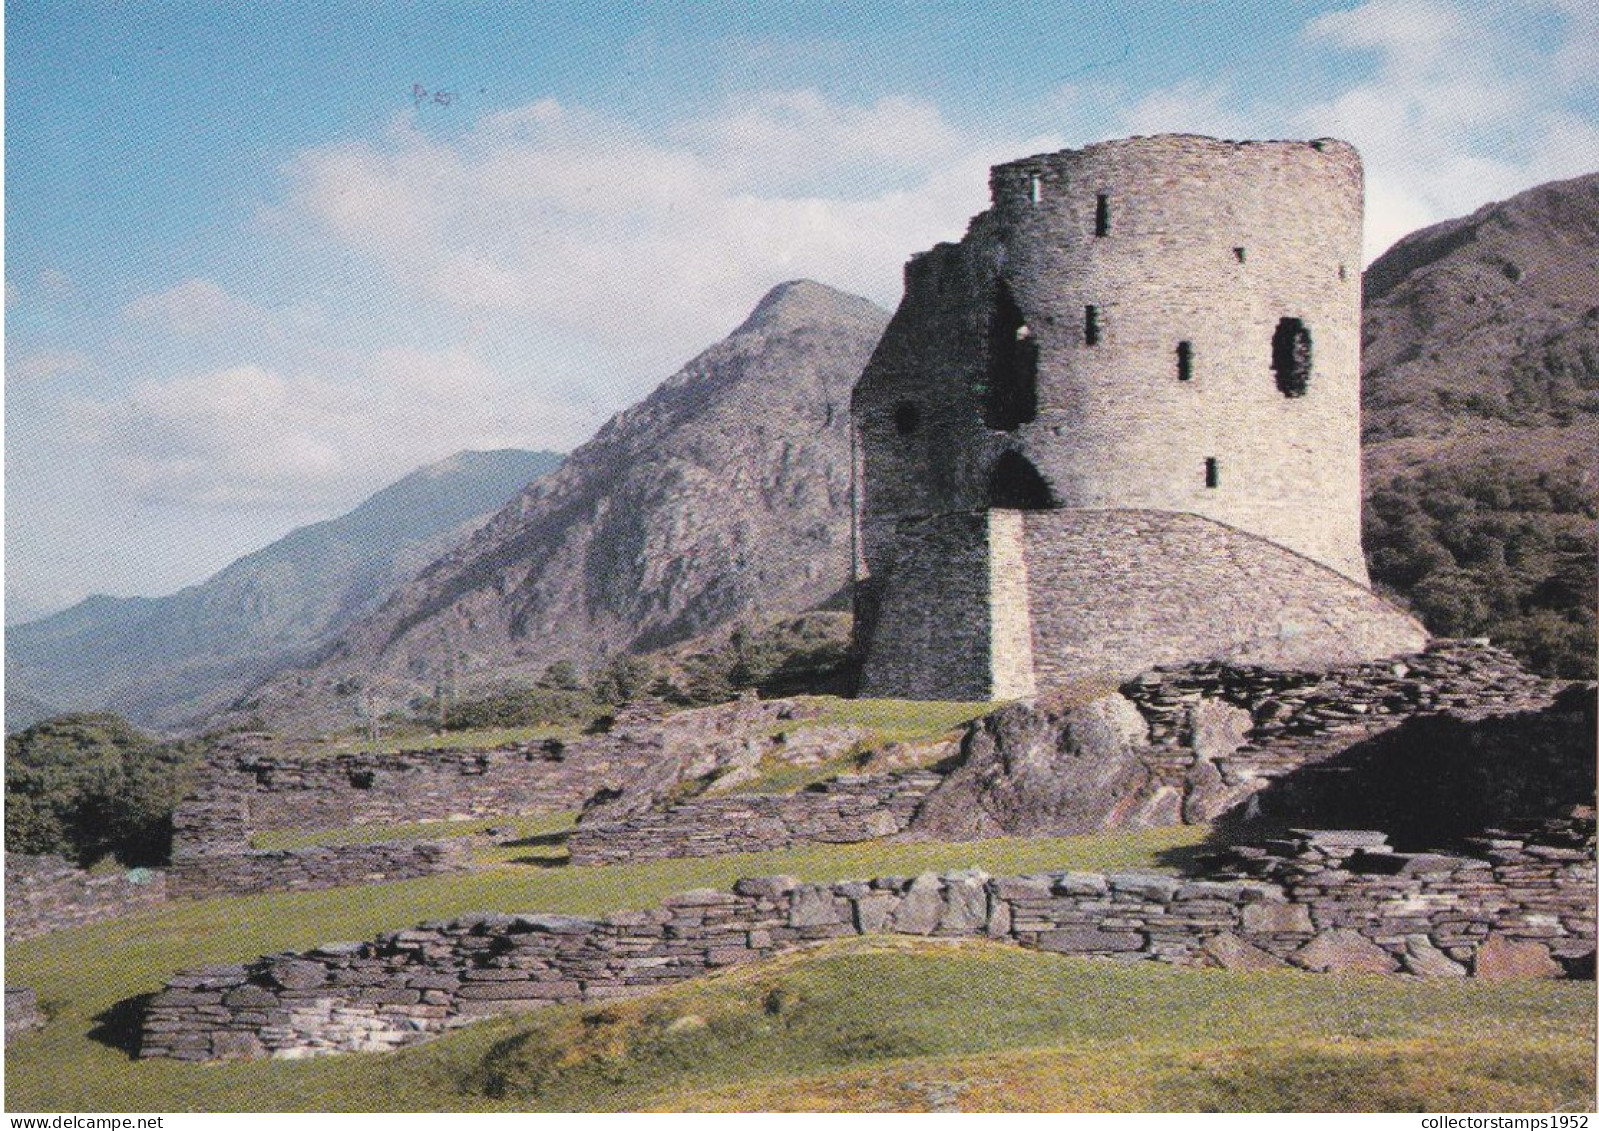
1119 424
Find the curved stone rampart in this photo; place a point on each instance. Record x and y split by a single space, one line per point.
1348 904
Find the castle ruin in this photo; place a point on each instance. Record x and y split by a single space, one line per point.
1118 425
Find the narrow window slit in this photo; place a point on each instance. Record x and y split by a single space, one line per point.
1036 188
1185 361
1238 254
1102 215
1212 472
1091 325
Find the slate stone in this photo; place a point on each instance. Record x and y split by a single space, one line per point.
1276 918
1501 957
873 911
1343 951
1427 961
1090 940
815 906
919 909
1230 952
234 1045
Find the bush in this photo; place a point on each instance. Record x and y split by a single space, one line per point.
525 707
87 786
803 655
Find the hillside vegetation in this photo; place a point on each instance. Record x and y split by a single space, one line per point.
1481 405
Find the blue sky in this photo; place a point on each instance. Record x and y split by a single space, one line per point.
262 259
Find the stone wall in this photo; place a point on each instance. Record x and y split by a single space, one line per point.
1177 745
248 787
1194 743
47 893
1525 910
1181 588
315 868
1285 721
842 810
931 617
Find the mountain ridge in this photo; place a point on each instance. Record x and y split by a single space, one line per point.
722 493
165 660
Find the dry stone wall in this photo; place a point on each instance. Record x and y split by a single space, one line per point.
1525 910
1283 721
47 893
1176 745
248 787
315 868
842 810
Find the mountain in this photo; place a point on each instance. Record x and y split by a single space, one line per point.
1487 325
1481 404
725 493
166 660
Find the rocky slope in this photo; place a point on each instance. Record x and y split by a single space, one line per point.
1481 400
163 661
725 493
1487 322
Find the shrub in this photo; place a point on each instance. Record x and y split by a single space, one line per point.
87 786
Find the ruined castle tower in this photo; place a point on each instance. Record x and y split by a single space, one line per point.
1119 424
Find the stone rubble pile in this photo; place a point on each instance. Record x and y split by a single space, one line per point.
1469 676
842 810
47 893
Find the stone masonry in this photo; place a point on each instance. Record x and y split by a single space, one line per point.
1332 902
47 893
842 810
1200 740
1146 354
314 868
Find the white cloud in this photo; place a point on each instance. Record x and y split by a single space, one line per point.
46 363
1190 108
1459 109
560 220
1459 105
195 307
249 437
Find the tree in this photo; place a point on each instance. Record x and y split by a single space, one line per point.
87 786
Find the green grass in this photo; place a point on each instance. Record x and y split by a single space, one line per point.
797 1033
80 974
884 1024
909 721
